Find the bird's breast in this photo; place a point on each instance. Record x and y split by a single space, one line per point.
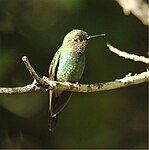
71 67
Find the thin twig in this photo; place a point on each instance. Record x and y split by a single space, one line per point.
31 70
20 90
128 56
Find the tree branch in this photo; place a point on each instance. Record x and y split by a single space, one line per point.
97 87
44 83
20 90
32 71
128 80
137 7
128 56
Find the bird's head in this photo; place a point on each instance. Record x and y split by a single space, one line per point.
78 40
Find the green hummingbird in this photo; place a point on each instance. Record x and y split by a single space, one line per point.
67 66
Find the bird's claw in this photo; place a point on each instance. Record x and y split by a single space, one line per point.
77 84
67 83
47 87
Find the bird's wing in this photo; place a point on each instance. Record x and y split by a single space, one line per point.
52 75
57 99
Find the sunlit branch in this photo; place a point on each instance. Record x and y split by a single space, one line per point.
128 56
44 83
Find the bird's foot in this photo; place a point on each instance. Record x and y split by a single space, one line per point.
77 84
67 83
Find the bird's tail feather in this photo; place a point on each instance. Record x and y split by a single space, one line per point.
57 101
52 123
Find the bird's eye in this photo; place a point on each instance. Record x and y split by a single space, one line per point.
77 40
81 39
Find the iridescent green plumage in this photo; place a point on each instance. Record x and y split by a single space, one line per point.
67 66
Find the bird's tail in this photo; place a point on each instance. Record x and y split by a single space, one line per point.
52 121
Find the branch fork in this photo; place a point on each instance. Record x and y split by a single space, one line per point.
45 84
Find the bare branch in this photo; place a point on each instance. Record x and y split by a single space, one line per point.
20 90
137 7
128 56
31 70
97 87
45 83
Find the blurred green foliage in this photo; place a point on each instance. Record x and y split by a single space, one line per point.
110 119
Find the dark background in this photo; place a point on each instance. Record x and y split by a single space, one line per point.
109 119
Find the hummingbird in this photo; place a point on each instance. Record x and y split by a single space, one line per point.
67 66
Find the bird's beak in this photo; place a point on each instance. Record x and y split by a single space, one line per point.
95 36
